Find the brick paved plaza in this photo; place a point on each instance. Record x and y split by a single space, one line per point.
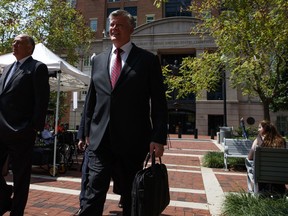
194 190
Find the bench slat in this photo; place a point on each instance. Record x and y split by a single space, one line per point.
270 166
238 148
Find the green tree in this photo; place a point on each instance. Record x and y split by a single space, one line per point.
53 22
158 3
252 41
63 108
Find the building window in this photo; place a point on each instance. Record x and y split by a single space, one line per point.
93 24
83 95
150 18
107 28
282 125
109 10
177 8
87 61
114 0
133 12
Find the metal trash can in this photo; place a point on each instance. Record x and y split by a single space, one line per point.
225 132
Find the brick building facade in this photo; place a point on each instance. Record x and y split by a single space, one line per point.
165 31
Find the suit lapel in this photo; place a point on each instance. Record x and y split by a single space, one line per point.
107 63
16 73
3 77
100 71
107 57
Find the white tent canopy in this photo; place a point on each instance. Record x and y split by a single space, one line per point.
68 78
72 79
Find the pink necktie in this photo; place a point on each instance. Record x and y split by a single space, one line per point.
116 68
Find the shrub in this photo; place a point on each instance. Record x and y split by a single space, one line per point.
216 160
213 160
246 204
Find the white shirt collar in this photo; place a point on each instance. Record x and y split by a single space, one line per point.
23 60
126 47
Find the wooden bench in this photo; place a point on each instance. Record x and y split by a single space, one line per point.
269 165
238 148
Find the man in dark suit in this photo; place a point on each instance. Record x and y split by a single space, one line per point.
24 96
125 119
84 167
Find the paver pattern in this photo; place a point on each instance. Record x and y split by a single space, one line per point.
51 196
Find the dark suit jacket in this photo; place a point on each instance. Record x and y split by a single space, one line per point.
135 110
80 133
24 100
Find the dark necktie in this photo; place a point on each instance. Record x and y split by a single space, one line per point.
116 67
12 71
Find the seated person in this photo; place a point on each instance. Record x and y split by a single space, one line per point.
268 137
46 135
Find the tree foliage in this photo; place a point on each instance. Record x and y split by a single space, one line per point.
158 3
51 22
63 108
252 41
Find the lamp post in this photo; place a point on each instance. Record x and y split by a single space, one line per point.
224 97
223 71
178 123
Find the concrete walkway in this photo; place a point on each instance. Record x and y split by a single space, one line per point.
194 189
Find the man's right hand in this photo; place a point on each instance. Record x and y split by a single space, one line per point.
87 140
81 145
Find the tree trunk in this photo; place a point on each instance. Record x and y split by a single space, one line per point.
266 111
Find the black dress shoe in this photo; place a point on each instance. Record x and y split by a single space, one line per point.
78 212
120 204
6 205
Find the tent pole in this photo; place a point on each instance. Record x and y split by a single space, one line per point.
56 123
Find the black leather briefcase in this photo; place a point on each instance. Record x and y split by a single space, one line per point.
150 192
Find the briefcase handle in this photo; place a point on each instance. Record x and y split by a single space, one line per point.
153 159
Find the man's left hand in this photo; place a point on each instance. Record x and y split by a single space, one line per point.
157 148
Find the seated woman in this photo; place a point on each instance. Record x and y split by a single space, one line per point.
268 137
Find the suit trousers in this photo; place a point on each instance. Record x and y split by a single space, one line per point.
84 177
20 153
104 165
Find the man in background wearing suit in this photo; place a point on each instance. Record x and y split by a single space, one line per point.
24 97
126 116
84 166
